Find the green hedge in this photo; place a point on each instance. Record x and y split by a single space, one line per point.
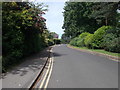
99 35
88 40
82 36
105 37
56 41
74 41
111 43
20 34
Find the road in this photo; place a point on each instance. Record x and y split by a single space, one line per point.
23 75
76 69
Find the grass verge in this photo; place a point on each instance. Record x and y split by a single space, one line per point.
98 50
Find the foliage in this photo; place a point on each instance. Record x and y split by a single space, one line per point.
105 12
74 41
100 18
88 40
65 39
81 39
115 45
106 37
114 30
88 16
111 43
56 41
76 19
23 27
99 35
50 42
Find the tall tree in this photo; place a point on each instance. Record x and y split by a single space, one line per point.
76 19
22 30
105 12
88 16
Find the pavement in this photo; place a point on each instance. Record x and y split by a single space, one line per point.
77 69
24 74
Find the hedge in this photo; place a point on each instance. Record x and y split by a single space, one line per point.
98 36
88 40
82 36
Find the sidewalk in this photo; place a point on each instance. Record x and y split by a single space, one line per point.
23 75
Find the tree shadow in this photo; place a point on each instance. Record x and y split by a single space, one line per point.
55 54
31 64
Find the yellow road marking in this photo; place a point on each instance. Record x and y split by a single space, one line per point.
47 81
41 85
48 73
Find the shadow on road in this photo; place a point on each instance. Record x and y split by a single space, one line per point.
30 65
58 54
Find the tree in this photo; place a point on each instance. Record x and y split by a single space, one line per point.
65 39
88 16
76 19
22 26
105 12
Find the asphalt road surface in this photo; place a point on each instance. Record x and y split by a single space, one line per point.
76 69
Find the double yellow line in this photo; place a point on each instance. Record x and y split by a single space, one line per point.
46 78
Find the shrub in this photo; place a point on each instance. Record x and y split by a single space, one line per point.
80 42
111 43
82 36
56 41
50 42
22 32
98 36
74 41
88 40
114 30
114 45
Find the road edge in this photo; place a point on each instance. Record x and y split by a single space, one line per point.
114 58
39 73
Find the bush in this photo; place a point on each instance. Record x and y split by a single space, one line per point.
50 42
114 30
88 40
56 41
111 43
22 32
82 36
99 35
74 41
114 45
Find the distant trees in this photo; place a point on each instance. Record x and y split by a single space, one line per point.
93 25
88 16
51 38
65 39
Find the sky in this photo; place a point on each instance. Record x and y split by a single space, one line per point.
54 16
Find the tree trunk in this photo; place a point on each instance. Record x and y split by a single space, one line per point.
106 21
